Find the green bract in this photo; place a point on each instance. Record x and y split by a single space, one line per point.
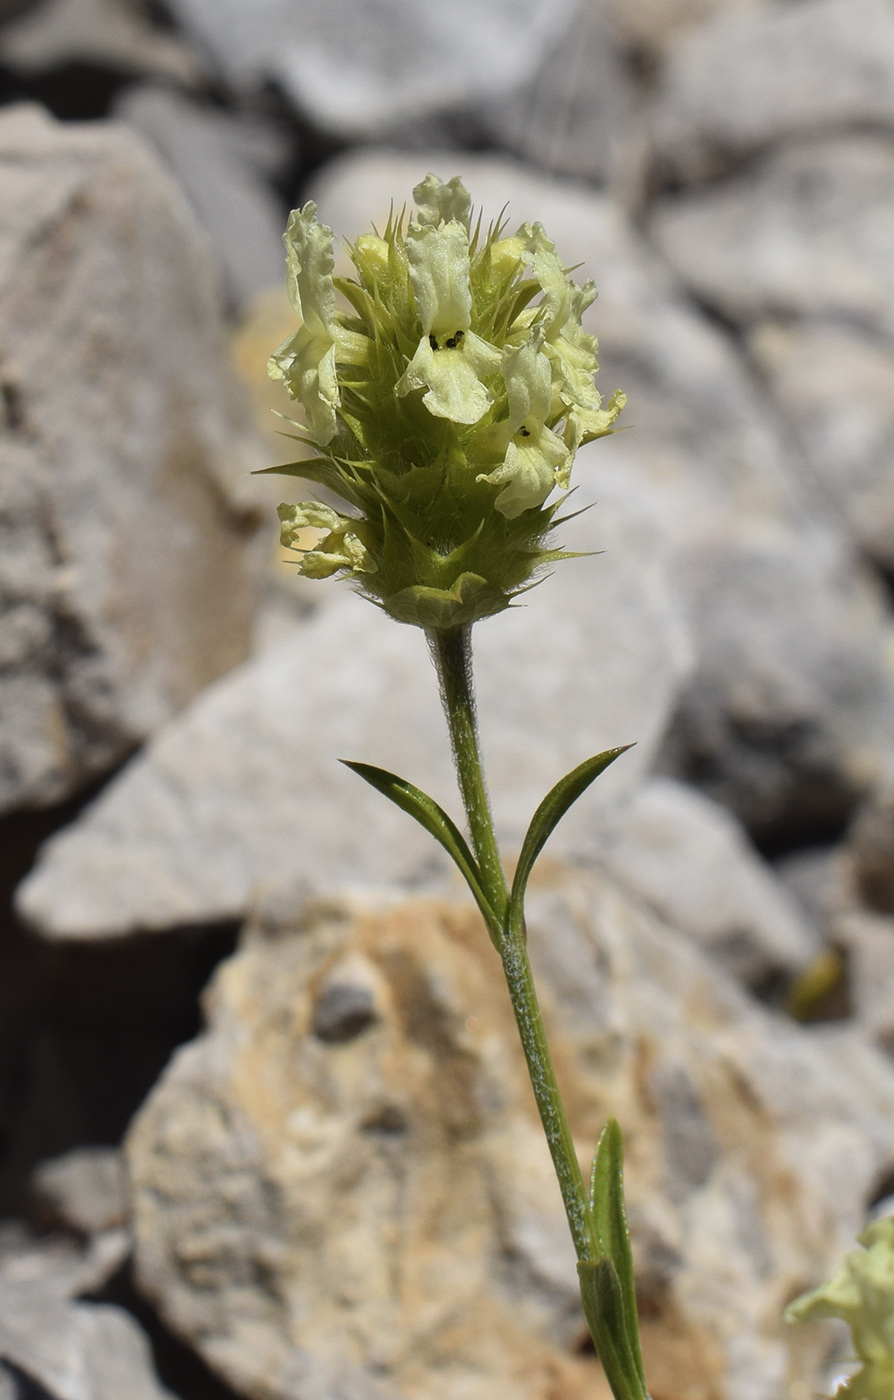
443 407
861 1291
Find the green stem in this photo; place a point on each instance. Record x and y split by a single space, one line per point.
452 655
520 982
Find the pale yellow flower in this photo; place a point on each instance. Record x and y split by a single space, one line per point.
570 349
449 358
861 1292
536 458
340 548
306 362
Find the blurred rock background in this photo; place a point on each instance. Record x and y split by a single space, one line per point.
336 1187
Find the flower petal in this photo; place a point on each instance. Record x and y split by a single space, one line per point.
454 390
586 424
340 548
437 203
306 365
310 262
528 380
306 361
530 470
439 272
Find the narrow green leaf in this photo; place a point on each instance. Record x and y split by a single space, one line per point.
610 1225
601 1296
547 817
437 823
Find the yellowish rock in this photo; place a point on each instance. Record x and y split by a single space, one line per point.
342 1187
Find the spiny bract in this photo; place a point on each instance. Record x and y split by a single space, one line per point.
443 408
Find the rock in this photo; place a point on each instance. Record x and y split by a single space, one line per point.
836 387
870 844
760 75
11 9
789 713
357 74
654 25
374 1214
84 1189
579 115
245 788
821 879
807 233
107 32
868 940
124 503
789 717
691 861
63 1349
208 151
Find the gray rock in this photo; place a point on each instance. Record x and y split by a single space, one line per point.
580 114
360 72
11 9
808 232
869 942
72 1350
84 1189
245 790
692 862
790 714
847 435
211 153
655 25
123 496
753 77
110 32
282 1183
870 845
821 879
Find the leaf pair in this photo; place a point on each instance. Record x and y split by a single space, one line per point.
606 1282
436 822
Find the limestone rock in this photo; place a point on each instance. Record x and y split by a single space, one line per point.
691 861
112 33
789 717
360 72
807 233
84 1189
655 25
870 844
789 712
64 1349
212 154
123 507
372 1212
580 114
245 789
836 387
821 880
868 940
758 75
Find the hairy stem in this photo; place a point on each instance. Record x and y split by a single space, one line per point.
451 651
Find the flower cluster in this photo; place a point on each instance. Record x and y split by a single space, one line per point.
443 405
861 1292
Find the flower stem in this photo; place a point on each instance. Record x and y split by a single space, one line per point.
452 655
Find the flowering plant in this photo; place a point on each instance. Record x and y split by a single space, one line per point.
861 1293
444 407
